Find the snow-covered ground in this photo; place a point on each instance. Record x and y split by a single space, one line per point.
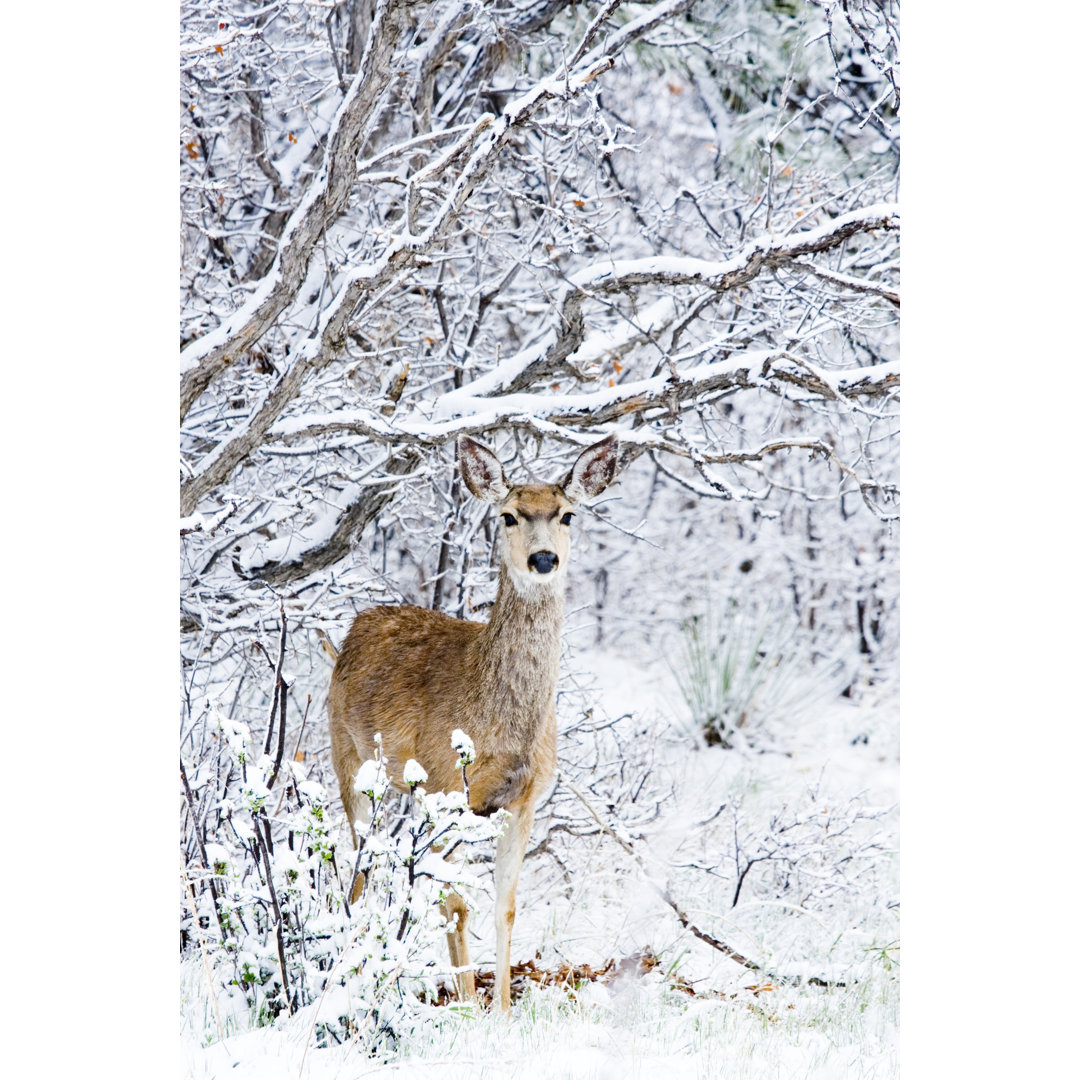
645 1026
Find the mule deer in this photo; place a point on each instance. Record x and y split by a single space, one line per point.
414 675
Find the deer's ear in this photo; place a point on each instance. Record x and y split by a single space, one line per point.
481 470
593 470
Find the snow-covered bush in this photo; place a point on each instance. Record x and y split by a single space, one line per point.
267 898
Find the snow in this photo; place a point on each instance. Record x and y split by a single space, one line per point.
587 1050
639 1027
413 773
588 353
294 545
564 404
676 268
370 778
818 768
461 742
191 356
481 412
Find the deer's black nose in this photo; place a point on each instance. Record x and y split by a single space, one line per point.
543 562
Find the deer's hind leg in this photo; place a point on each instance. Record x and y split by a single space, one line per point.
357 805
456 912
346 760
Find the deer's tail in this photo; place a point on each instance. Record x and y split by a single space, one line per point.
328 645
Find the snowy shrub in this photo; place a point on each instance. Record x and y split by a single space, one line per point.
269 895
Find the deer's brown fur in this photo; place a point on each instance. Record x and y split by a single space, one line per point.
414 675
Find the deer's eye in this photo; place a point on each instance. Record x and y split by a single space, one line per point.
565 519
509 519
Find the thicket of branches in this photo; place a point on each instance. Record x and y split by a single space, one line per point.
533 222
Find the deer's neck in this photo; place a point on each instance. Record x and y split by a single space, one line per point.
520 655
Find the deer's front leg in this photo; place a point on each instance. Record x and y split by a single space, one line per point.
508 858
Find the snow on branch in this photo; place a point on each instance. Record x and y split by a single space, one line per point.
847 281
744 266
404 252
582 409
205 359
549 355
547 413
326 199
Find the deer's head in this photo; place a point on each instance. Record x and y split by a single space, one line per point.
534 519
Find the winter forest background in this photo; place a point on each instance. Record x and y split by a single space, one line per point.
537 223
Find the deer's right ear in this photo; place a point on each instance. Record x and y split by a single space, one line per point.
482 471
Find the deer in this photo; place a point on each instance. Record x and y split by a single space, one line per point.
408 677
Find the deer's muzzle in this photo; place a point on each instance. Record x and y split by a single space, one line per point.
543 562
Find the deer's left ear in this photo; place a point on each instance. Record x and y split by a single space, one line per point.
593 471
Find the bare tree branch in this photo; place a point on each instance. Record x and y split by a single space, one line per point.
205 359
350 525
621 276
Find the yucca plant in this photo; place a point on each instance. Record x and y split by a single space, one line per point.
750 665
